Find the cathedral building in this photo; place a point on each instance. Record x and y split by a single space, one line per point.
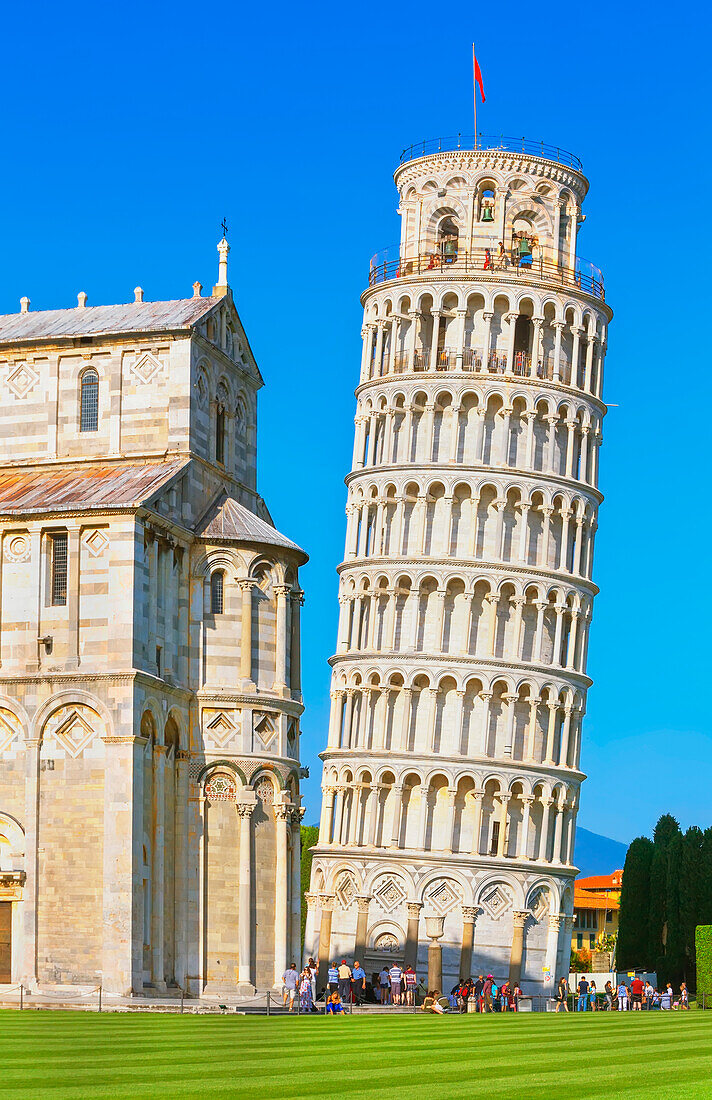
149 656
452 771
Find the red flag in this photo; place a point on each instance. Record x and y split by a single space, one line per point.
478 74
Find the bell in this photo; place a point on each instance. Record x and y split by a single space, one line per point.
487 214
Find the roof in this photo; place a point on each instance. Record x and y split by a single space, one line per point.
83 488
585 900
226 518
103 320
601 882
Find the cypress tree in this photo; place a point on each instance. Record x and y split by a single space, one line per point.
674 939
633 935
666 830
690 900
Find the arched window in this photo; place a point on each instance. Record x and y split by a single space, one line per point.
220 434
448 233
217 593
89 402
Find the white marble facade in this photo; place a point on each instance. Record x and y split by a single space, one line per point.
451 775
150 693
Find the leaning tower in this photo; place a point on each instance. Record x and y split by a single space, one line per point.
451 775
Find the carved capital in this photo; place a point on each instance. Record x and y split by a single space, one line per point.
470 913
362 902
413 908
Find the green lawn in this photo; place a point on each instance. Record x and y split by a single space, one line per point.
604 1055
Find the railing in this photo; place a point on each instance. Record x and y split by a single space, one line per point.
471 360
491 141
583 275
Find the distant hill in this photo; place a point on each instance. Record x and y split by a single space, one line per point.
598 855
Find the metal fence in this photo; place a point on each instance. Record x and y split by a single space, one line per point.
491 141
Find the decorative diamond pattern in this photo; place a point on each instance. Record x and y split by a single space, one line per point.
444 896
497 901
219 727
22 380
96 542
10 728
389 893
74 734
346 889
146 367
265 731
540 905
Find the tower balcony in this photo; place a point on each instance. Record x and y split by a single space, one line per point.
484 264
494 143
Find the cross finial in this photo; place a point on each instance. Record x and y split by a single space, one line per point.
224 227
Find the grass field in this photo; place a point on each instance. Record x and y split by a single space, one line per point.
76 1055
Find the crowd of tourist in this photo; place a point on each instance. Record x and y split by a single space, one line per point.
396 985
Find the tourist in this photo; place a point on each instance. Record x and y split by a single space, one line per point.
504 995
494 997
409 982
684 996
478 991
608 993
344 981
313 971
334 1005
656 999
666 998
290 980
582 1003
592 991
395 975
487 992
375 985
562 996
622 994
432 1004
385 985
421 991
359 982
514 995
333 978
637 987
306 1002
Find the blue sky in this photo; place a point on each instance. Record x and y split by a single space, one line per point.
131 130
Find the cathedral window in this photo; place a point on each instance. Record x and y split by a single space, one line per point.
89 402
59 568
217 589
220 435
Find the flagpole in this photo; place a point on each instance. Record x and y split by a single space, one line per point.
474 91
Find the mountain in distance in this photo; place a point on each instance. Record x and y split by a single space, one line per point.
596 854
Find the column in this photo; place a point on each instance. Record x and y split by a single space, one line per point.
414 314
434 344
281 592
531 728
562 564
550 733
430 720
579 545
537 354
282 815
460 314
327 814
454 433
158 867
335 714
28 971
362 901
552 421
378 363
583 460
428 426
545 537
571 426
511 701
449 821
246 586
558 828
571 642
479 439
439 618
406 715
388 440
542 848
327 912
244 930
590 351
576 343
530 419
295 894
523 532
372 431
541 606
412 935
503 800
348 717
477 827
487 318
518 603
492 600
396 547
502 458
182 826
556 922
559 328
559 610
511 318
565 737
295 642
523 846
310 948
519 918
434 930
344 623
397 808
469 916
389 626
359 442
369 826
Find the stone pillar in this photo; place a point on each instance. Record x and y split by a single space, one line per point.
531 728
181 866
281 592
282 814
469 916
158 868
397 807
503 800
310 931
559 328
327 813
477 829
244 921
295 654
519 918
246 586
556 921
434 931
327 912
295 894
411 941
523 846
362 901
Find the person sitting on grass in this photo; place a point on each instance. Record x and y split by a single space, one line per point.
334 1005
432 1004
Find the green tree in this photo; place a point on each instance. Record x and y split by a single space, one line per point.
633 934
309 837
690 899
674 967
666 830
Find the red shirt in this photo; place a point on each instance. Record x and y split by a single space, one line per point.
637 987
